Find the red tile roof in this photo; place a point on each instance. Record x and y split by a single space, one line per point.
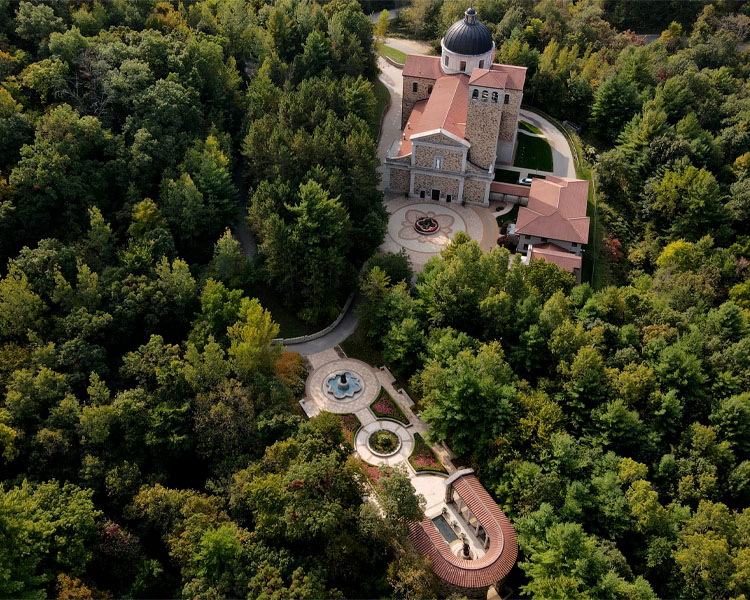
554 254
500 555
419 65
489 79
556 210
515 189
516 75
444 109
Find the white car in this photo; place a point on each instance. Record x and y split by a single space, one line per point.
525 181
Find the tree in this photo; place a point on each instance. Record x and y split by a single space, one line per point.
689 200
616 101
411 577
35 22
467 400
54 524
402 345
398 500
305 259
20 308
251 349
74 164
230 264
381 27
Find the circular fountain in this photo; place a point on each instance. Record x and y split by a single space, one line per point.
343 386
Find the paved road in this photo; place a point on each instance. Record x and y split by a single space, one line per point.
344 329
408 46
562 157
391 77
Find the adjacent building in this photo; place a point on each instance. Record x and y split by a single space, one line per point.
554 226
459 116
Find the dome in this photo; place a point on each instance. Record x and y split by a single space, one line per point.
468 36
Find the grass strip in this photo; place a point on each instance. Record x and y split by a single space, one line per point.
392 53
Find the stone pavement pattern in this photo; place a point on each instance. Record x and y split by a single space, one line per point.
477 221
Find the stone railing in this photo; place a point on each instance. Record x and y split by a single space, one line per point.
318 334
389 60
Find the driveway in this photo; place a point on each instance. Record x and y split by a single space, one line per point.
391 77
562 157
409 46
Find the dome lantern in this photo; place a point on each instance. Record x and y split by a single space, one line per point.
467 43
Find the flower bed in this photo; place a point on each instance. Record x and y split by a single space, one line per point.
426 225
386 407
349 423
423 457
383 442
372 471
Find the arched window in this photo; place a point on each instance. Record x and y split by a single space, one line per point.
463 65
475 94
414 87
507 98
494 97
485 95
481 64
445 62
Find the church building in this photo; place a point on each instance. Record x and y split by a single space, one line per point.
459 116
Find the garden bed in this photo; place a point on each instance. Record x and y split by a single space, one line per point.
349 423
383 442
504 220
423 457
386 407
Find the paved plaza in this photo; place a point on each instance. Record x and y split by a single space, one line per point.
477 221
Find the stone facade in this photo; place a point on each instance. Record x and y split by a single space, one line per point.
398 180
424 156
441 139
410 97
509 124
475 190
482 128
428 182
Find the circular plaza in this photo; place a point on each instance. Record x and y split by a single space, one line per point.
477 222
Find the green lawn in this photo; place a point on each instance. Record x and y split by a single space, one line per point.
290 325
382 97
529 127
533 153
506 176
392 53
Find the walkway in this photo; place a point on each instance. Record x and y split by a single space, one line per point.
391 129
328 363
562 156
457 502
343 330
